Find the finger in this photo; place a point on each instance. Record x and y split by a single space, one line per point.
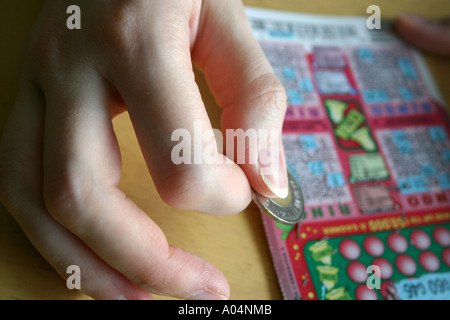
82 172
427 34
158 86
21 190
243 83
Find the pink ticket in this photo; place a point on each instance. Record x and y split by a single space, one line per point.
366 135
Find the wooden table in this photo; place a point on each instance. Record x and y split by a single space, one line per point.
236 244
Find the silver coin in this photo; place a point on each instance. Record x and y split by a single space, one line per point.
289 210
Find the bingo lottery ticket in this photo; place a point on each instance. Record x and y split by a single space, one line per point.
366 136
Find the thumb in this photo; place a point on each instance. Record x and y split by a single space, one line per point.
432 35
252 98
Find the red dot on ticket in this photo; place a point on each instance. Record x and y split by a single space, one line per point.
446 256
429 261
357 272
349 249
397 242
442 236
374 246
362 292
388 290
420 239
406 265
385 266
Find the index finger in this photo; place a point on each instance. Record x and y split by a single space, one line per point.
81 193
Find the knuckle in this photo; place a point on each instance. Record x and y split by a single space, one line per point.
63 196
50 51
269 93
126 28
184 187
46 48
119 27
12 168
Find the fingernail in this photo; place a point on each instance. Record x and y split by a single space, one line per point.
272 170
207 295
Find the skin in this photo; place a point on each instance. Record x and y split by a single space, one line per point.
60 162
431 35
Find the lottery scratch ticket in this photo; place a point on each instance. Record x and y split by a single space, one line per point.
366 136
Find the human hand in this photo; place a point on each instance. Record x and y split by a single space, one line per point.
432 35
60 162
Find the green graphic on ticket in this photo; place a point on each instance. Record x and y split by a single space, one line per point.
367 167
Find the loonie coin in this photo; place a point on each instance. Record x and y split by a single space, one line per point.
289 210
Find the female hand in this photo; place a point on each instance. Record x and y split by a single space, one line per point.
60 162
432 35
